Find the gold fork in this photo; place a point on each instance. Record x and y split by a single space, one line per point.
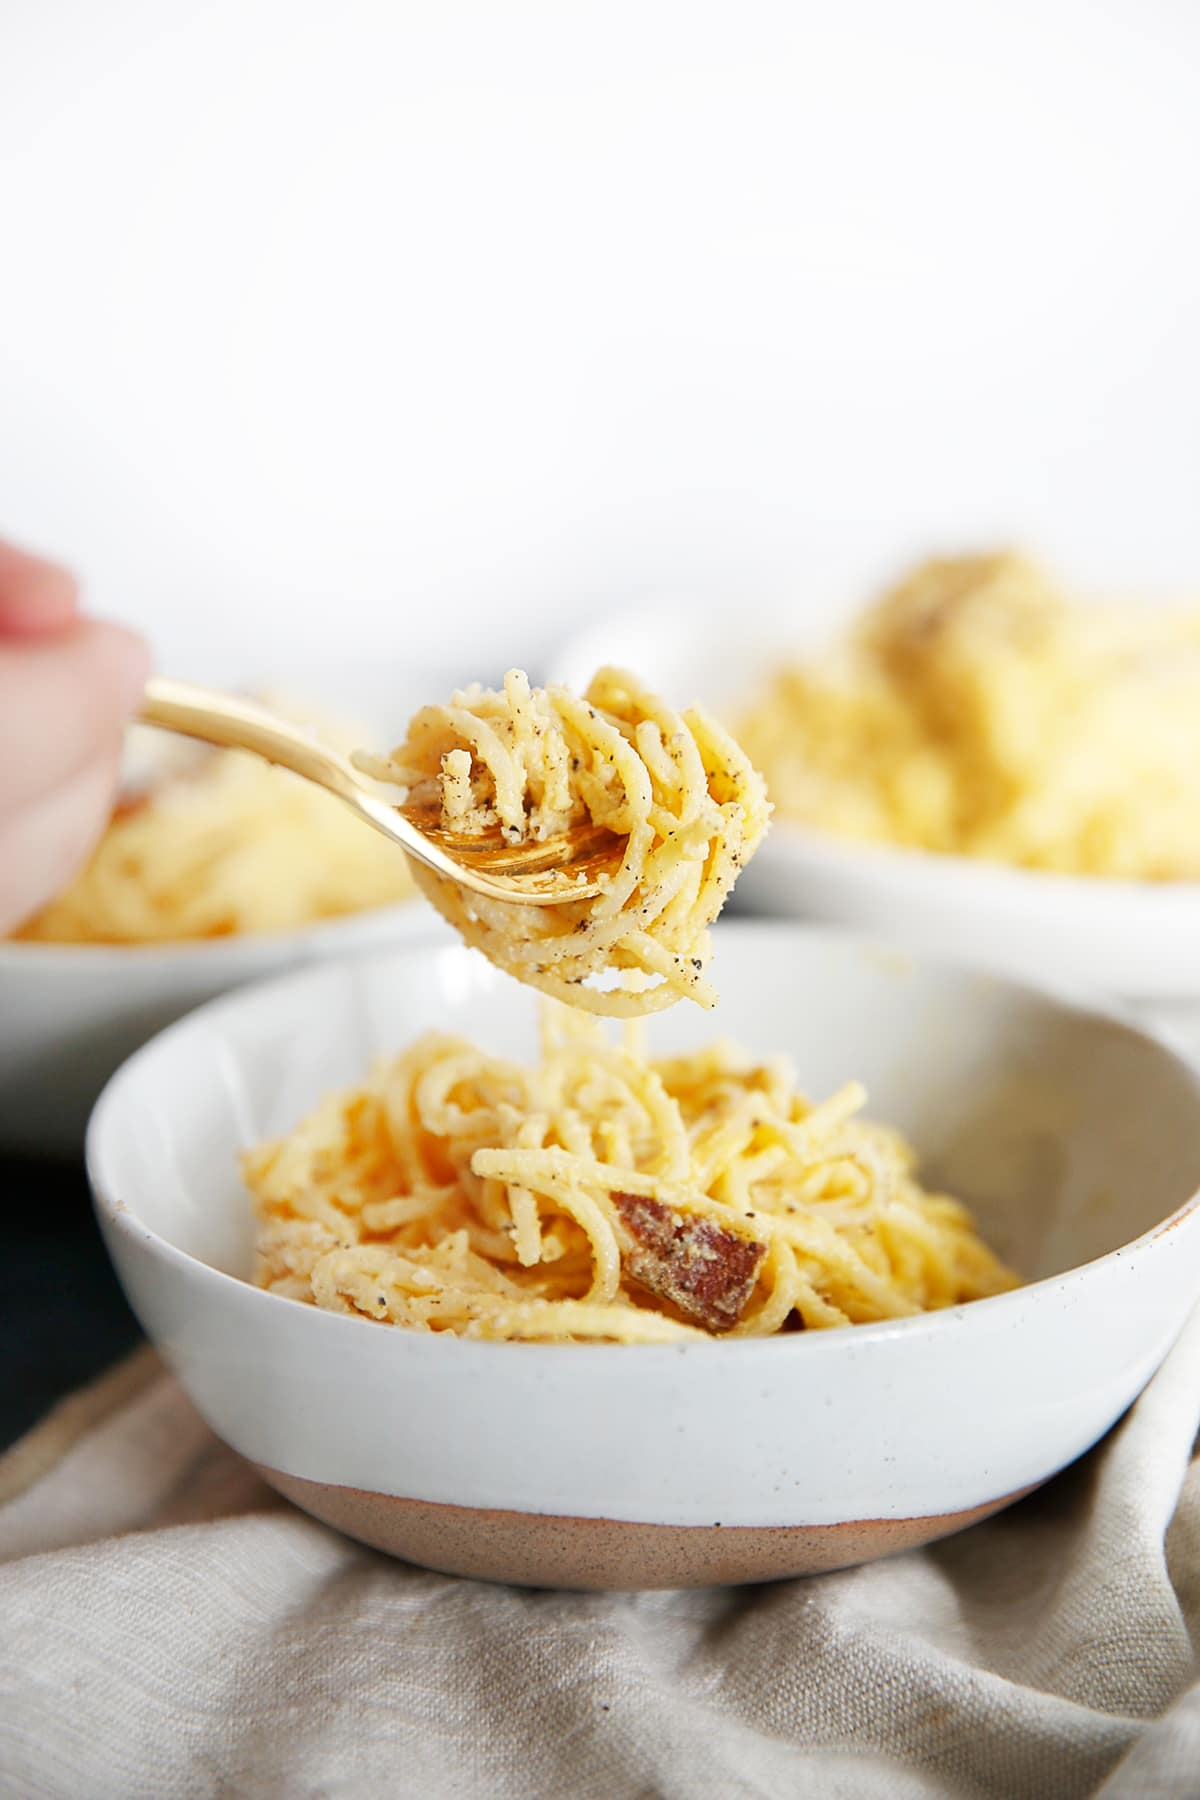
535 874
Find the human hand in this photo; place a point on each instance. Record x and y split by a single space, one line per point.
68 686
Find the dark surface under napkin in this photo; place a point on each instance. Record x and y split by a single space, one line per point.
62 1316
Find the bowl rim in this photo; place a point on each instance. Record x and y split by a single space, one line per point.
237 947
116 1214
1016 879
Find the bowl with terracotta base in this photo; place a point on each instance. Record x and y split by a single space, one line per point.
1074 1137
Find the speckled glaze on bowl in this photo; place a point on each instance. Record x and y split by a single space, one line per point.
1075 1137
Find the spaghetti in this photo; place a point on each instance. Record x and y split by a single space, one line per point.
599 1195
225 845
977 711
529 764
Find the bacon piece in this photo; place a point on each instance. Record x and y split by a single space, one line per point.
704 1270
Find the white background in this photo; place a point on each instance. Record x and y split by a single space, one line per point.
363 323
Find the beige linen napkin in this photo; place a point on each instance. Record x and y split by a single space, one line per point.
168 1628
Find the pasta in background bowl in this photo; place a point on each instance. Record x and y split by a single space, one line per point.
976 709
224 846
1074 1139
1139 938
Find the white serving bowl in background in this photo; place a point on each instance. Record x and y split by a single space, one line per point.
71 1013
1074 1137
1137 940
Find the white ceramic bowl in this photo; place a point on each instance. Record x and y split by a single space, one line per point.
1138 940
1075 1138
71 1013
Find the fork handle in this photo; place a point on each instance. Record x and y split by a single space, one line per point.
235 724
